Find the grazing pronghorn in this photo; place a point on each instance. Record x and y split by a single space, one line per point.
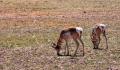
96 33
67 34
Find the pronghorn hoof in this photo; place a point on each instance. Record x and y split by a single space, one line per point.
106 48
67 55
83 54
74 55
95 48
59 54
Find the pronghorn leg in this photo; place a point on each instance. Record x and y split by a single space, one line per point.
104 34
106 42
77 43
67 48
82 45
95 45
58 53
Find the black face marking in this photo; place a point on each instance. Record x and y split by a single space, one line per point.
57 47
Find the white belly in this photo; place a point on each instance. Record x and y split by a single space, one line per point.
67 35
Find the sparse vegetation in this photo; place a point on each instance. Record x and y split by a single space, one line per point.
27 28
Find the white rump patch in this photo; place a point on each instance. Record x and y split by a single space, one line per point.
102 25
78 29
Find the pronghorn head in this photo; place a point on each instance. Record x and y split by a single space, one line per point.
56 47
53 45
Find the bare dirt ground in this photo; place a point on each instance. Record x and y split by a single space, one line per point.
26 36
41 56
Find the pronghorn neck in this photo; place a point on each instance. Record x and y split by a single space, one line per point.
96 34
59 43
98 31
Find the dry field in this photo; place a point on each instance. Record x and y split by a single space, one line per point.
28 27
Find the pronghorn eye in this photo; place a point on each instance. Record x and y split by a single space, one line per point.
54 44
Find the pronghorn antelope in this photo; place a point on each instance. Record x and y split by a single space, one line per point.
67 34
96 33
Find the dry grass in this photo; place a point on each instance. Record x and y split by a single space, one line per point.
28 27
48 5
